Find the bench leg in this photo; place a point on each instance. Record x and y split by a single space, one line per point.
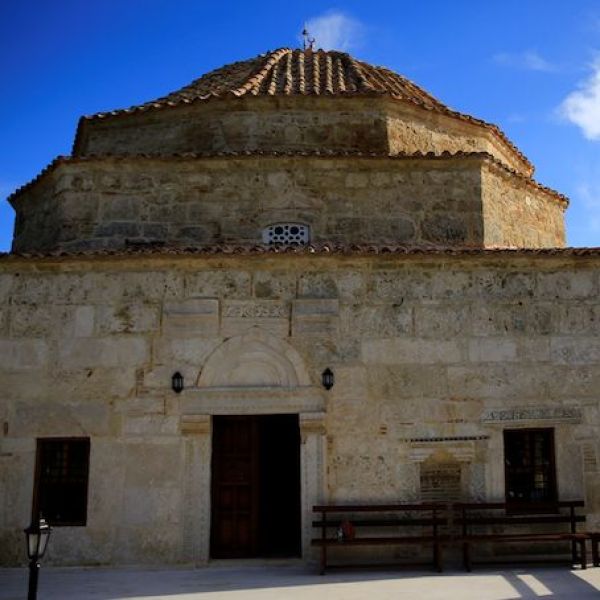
574 559
323 559
437 557
582 550
467 556
595 553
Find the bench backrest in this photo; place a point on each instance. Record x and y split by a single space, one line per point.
472 514
382 515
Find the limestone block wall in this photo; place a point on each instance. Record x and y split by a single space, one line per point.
409 129
433 358
288 124
104 202
516 216
243 124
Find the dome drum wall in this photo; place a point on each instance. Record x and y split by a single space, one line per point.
410 129
331 124
513 216
356 152
246 124
108 202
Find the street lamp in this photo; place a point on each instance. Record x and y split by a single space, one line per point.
37 536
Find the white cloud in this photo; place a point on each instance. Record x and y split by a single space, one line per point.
335 30
529 60
582 107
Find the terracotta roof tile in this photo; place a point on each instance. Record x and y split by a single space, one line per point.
292 72
288 72
484 156
319 249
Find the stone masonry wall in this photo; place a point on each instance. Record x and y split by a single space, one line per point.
330 124
411 131
515 216
433 358
103 202
240 125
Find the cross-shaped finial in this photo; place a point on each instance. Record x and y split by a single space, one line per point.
308 41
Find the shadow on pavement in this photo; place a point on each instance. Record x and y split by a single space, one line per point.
287 582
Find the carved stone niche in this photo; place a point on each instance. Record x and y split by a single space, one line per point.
253 373
441 478
254 359
448 470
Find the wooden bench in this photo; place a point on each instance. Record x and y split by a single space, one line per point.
476 519
594 536
414 524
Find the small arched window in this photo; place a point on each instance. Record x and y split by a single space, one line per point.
286 233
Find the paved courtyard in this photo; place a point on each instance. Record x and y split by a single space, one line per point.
295 582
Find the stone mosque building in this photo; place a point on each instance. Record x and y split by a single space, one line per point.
185 287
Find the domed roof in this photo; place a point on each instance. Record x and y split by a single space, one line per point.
289 72
293 73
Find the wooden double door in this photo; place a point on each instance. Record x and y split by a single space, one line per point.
255 486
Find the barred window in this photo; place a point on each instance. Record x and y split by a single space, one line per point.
61 480
530 469
286 233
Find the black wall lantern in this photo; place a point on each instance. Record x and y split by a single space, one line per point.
177 382
327 378
37 536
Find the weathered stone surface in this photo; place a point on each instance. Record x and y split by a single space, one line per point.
413 351
191 318
448 351
127 318
444 201
445 230
512 215
104 352
22 354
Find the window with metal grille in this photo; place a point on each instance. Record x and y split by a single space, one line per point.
530 471
286 233
61 480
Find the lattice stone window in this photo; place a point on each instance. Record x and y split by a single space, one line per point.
286 233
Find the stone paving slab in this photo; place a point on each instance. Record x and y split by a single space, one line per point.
296 583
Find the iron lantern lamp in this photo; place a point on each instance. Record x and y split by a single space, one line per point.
37 536
327 378
177 382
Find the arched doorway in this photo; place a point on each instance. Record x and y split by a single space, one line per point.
262 464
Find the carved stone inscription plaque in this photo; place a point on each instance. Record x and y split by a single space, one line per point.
570 414
270 315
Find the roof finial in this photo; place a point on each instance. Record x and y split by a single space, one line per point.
309 42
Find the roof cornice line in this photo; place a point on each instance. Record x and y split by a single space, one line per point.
314 249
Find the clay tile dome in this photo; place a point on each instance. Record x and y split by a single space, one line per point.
290 147
287 72
240 107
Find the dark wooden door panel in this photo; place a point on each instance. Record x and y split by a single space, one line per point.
255 486
234 487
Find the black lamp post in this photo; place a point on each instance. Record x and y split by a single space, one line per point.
37 536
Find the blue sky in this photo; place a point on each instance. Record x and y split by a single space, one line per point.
530 66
